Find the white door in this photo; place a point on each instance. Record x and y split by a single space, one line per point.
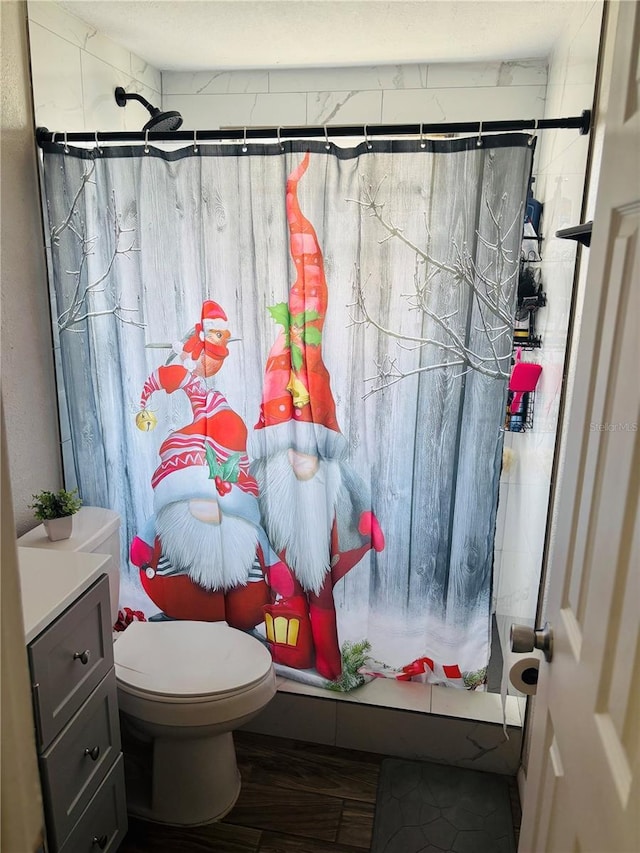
582 789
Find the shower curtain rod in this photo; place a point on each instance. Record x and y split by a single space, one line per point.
581 123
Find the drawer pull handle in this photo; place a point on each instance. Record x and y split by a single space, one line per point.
101 842
83 657
93 753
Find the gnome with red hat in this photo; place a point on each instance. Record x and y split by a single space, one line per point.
315 508
204 555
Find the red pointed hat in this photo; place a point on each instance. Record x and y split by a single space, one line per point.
184 473
298 409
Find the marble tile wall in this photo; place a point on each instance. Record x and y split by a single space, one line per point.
75 70
455 727
560 184
368 95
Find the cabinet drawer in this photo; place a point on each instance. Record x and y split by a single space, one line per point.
79 759
70 658
103 823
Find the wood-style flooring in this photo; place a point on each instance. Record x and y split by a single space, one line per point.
296 798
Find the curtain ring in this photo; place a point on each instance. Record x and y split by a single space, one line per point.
66 147
535 131
326 139
423 144
146 141
479 140
195 142
244 141
98 149
280 141
366 139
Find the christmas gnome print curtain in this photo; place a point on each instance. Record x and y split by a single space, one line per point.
286 368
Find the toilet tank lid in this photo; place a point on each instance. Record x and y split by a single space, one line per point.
92 526
182 658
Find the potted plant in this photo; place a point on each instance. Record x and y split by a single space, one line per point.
56 511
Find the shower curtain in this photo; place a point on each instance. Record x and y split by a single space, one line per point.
286 367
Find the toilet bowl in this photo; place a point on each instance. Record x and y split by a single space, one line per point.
183 687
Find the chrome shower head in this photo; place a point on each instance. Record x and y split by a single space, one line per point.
159 121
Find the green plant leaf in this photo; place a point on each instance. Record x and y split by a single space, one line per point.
304 317
474 679
48 505
312 336
212 461
296 357
230 470
354 655
280 313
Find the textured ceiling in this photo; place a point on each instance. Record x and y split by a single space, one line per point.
190 35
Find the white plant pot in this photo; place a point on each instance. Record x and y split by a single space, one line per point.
59 528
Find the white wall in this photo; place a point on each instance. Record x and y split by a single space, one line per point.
28 386
367 95
76 70
560 181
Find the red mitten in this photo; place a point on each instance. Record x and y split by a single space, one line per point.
141 553
368 526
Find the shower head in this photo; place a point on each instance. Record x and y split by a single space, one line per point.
159 121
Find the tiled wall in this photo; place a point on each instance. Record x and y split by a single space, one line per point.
560 181
75 71
457 727
367 95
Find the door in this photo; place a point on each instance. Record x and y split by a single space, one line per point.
582 788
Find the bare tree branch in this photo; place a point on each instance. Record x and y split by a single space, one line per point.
491 288
57 230
80 308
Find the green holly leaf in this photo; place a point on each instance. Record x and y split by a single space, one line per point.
296 357
312 336
230 470
212 462
304 317
280 313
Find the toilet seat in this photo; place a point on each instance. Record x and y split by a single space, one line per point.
188 662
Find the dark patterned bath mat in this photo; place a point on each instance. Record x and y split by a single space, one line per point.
423 807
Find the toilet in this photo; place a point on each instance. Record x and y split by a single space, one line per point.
183 687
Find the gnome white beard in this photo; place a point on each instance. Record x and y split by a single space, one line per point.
215 556
298 514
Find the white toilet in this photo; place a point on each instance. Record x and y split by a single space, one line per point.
183 687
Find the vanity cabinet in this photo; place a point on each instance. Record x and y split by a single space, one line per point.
77 726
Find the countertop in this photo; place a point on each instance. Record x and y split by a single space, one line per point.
52 580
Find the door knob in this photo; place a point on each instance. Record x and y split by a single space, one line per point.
525 639
101 841
83 657
93 753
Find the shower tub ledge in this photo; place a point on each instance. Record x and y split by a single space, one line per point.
458 727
